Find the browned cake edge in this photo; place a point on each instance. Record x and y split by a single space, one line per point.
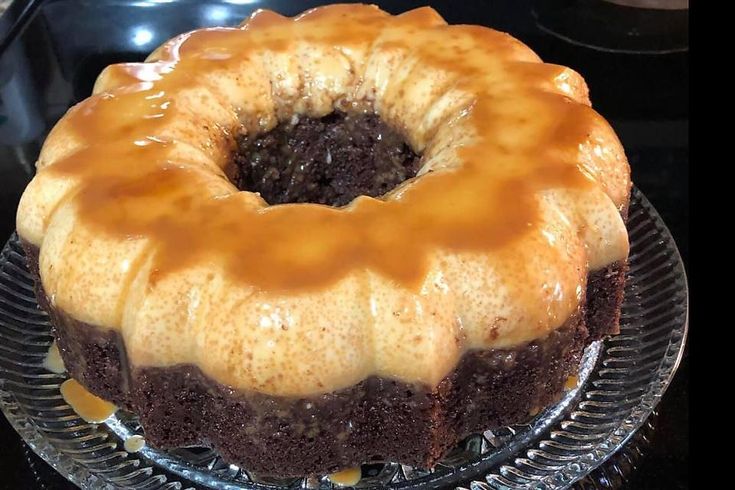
374 420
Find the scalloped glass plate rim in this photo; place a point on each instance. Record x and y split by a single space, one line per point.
489 469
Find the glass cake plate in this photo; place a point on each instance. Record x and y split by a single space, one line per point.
619 384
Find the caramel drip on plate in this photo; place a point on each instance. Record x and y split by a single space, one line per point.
133 444
133 184
88 406
346 478
53 361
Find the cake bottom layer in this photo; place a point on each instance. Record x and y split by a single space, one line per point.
375 420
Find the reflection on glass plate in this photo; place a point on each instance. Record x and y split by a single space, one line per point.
620 382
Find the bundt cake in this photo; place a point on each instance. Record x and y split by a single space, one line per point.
320 241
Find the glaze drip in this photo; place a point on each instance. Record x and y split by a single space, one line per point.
89 407
517 198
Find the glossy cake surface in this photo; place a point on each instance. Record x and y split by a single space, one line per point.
138 235
517 198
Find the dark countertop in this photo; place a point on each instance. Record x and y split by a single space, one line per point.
645 96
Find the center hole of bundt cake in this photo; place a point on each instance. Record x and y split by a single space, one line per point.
329 160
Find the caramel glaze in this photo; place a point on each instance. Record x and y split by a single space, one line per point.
53 361
89 407
346 478
130 187
142 159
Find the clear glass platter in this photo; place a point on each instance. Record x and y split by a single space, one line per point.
620 382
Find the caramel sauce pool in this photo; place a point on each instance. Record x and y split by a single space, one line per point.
133 444
133 186
346 478
89 407
53 361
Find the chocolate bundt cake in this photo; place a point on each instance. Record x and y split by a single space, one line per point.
320 241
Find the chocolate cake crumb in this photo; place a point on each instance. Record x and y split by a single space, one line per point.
329 160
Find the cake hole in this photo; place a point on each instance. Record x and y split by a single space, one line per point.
329 160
